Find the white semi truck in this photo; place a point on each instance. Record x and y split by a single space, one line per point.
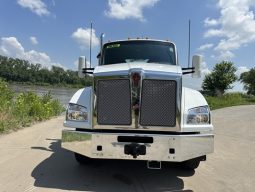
138 108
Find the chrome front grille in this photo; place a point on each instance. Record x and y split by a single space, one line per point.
158 103
114 102
153 105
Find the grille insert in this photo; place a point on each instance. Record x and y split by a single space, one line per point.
114 102
158 103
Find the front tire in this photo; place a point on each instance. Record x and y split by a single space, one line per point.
81 159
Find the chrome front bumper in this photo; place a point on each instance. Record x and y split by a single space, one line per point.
164 147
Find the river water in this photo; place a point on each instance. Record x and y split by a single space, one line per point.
62 94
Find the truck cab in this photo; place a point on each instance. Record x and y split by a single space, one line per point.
138 109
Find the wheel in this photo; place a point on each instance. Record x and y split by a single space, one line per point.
191 164
82 159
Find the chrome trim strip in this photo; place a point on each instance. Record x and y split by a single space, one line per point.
135 96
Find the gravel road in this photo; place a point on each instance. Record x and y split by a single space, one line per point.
32 160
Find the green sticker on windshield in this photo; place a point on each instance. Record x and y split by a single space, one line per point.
113 46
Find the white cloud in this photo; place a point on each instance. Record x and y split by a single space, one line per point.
33 40
11 47
214 33
37 57
226 45
225 55
205 46
210 22
125 9
235 26
82 37
36 6
241 70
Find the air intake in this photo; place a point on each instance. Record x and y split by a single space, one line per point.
114 102
158 103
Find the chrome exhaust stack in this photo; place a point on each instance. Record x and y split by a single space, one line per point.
154 164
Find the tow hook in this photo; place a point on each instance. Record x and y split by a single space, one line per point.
135 150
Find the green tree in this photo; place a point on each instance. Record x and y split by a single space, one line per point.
248 79
220 79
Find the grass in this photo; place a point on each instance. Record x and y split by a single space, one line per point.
71 137
230 99
25 108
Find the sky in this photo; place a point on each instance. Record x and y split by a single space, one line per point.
56 32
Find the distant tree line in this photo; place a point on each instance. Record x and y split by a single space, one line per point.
19 70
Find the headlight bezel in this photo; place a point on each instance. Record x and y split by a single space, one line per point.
76 113
199 115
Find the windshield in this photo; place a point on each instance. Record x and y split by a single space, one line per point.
139 51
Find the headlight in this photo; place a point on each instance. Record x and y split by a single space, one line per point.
76 113
198 115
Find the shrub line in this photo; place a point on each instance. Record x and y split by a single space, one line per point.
25 109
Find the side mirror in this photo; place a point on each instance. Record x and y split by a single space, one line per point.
81 66
196 63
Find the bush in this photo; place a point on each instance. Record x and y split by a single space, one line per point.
6 95
25 108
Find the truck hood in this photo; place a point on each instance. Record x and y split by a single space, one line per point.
126 68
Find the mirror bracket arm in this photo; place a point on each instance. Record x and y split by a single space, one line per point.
88 70
188 70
